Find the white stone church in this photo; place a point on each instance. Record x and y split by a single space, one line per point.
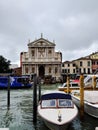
41 59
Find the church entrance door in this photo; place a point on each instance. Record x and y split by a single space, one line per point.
41 71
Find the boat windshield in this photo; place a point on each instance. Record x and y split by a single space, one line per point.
64 85
23 80
75 85
72 84
48 103
65 103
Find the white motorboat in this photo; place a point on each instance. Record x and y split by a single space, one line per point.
73 85
88 81
90 101
57 110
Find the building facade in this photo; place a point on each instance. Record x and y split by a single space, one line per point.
94 59
76 67
41 59
68 67
83 65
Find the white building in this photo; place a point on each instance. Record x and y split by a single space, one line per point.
41 59
76 67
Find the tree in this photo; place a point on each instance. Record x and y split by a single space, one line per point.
4 65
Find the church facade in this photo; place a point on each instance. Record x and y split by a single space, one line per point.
41 59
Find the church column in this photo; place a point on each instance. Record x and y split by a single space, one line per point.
37 70
28 69
36 53
47 53
53 68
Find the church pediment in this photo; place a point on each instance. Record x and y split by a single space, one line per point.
41 43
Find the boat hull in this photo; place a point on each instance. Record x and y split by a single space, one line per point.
57 110
53 126
50 117
74 85
91 109
70 89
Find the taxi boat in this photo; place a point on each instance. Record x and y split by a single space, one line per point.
90 101
57 110
74 84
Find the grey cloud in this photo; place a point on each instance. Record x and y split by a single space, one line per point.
71 23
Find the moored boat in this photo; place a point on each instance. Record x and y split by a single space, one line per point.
15 82
90 102
88 81
57 110
73 85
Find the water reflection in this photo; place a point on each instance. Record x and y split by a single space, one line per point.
6 119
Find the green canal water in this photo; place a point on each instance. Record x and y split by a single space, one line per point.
20 114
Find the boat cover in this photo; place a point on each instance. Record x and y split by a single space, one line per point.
55 96
91 96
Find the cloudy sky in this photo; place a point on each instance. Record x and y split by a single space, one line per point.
73 24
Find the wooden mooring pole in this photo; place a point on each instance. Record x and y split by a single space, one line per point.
68 84
35 99
94 82
39 88
8 93
82 95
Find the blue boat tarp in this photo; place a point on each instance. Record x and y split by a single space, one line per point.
3 82
15 82
56 96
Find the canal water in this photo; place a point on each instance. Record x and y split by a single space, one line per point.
20 114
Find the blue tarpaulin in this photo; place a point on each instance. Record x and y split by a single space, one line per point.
55 96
